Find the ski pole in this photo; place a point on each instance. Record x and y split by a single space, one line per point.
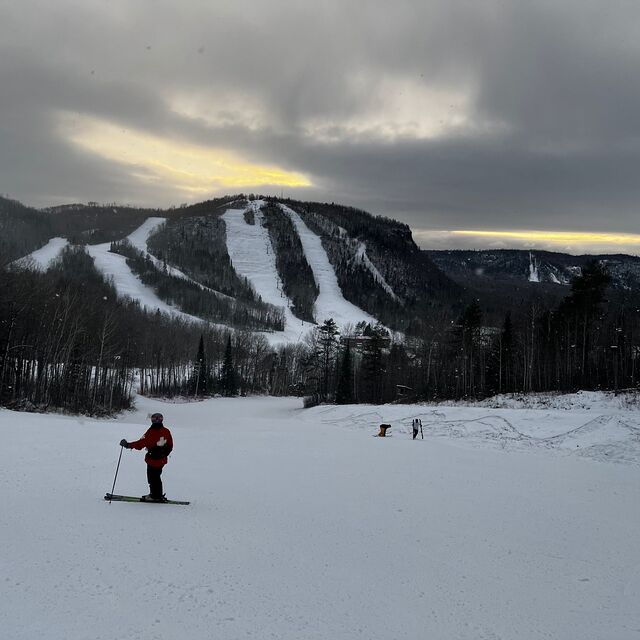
114 478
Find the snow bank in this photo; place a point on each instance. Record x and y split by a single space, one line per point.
304 526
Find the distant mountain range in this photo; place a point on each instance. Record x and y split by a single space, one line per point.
532 266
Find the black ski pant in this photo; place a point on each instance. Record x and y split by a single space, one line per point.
155 481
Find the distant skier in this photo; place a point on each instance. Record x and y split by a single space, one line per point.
159 444
417 426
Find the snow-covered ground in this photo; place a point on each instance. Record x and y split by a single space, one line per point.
42 258
303 526
330 302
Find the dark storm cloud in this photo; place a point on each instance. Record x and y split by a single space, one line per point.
542 130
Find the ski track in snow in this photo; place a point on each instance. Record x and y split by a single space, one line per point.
302 526
330 302
42 258
611 436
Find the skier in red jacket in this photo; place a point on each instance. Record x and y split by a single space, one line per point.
159 444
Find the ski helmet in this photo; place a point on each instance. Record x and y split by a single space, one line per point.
157 418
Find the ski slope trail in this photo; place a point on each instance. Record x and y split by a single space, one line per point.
252 256
42 258
302 526
330 302
362 256
140 238
115 268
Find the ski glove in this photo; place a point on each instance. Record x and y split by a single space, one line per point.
124 443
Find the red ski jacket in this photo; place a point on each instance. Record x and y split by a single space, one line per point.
159 444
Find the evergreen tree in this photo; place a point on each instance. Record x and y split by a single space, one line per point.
398 366
228 381
200 376
466 345
327 346
344 388
501 367
373 365
578 321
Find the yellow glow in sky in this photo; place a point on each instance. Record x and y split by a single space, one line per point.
561 237
563 241
193 169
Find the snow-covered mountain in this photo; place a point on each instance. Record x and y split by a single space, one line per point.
277 267
280 267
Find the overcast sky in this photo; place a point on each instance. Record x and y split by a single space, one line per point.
451 116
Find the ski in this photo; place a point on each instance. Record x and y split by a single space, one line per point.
116 498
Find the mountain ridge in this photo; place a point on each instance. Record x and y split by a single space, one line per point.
186 261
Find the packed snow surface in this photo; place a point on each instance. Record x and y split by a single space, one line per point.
42 258
304 526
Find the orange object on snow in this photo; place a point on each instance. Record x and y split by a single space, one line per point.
383 430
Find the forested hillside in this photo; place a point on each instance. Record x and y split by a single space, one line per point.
537 267
197 300
379 266
22 229
292 265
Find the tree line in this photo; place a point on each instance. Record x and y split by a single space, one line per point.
588 341
68 342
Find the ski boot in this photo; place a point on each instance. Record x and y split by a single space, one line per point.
152 498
